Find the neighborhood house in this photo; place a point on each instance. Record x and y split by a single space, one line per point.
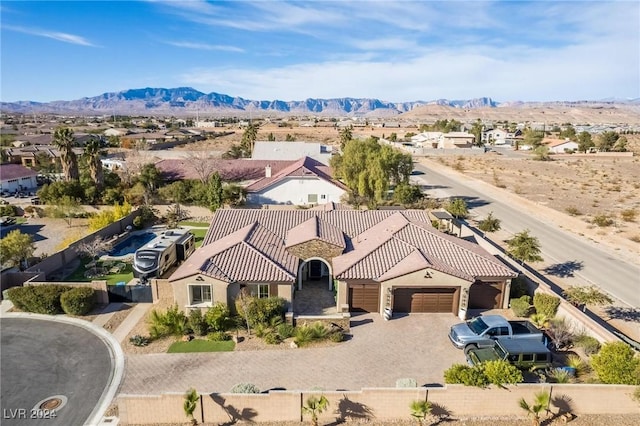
366 260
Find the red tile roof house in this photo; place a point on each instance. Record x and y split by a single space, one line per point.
14 177
372 259
306 181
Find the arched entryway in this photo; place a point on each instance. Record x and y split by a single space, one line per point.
314 294
315 269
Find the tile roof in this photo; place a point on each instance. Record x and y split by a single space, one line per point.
305 167
15 171
251 245
229 170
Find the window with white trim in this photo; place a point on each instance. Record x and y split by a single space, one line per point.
200 294
260 291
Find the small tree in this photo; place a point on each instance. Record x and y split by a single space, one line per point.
420 410
490 224
617 363
524 247
243 303
16 248
315 406
583 296
541 153
66 208
457 207
539 406
93 248
190 402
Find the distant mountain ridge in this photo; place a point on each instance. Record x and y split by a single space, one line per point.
186 100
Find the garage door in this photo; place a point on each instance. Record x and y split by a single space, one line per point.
424 299
485 295
364 298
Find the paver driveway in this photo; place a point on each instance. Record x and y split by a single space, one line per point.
379 353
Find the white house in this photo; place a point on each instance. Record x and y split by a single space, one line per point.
456 140
14 178
562 146
306 182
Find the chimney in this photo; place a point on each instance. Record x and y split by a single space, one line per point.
267 171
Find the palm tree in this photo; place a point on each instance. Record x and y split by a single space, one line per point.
190 401
316 406
420 410
63 139
540 404
249 139
92 152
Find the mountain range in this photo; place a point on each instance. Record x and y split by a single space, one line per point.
186 100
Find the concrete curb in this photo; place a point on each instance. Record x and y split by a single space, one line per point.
115 353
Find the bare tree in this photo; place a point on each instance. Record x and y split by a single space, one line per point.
203 164
93 248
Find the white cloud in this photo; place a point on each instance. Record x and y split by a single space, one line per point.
205 46
63 37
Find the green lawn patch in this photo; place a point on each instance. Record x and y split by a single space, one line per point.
199 236
196 224
79 275
199 345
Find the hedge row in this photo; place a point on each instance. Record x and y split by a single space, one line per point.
52 299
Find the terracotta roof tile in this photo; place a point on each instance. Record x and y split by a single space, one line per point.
229 170
315 228
304 167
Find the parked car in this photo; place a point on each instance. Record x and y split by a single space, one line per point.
483 331
525 354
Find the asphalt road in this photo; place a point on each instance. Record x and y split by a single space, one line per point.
41 359
600 267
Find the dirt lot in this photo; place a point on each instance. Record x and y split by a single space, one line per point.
600 190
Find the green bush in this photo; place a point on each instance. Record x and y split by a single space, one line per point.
218 336
336 336
519 287
617 363
272 338
319 331
589 344
173 322
261 311
78 301
138 222
218 317
261 330
303 335
197 323
500 372
139 340
285 330
245 388
546 304
465 375
8 210
41 299
521 306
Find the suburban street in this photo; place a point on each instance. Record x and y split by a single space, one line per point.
598 265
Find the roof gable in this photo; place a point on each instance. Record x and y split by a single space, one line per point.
305 167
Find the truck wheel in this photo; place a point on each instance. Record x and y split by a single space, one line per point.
469 348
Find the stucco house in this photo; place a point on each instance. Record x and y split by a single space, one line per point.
363 260
456 140
560 146
14 177
307 181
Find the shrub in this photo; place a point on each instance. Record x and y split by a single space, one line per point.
617 363
261 330
519 287
138 222
560 333
218 317
466 375
602 220
629 215
539 320
319 331
560 375
218 336
574 361
336 336
500 372
285 330
260 311
197 322
590 345
245 388
78 301
139 340
8 210
303 335
546 304
573 211
521 306
173 322
272 338
41 299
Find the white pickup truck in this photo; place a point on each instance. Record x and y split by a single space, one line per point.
483 331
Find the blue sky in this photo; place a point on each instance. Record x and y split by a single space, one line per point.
394 51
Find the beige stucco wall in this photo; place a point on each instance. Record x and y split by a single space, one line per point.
181 295
381 404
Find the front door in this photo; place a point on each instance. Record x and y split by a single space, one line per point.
315 269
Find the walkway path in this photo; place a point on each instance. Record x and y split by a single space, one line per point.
136 314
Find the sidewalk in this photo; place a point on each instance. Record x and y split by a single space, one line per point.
137 313
5 306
